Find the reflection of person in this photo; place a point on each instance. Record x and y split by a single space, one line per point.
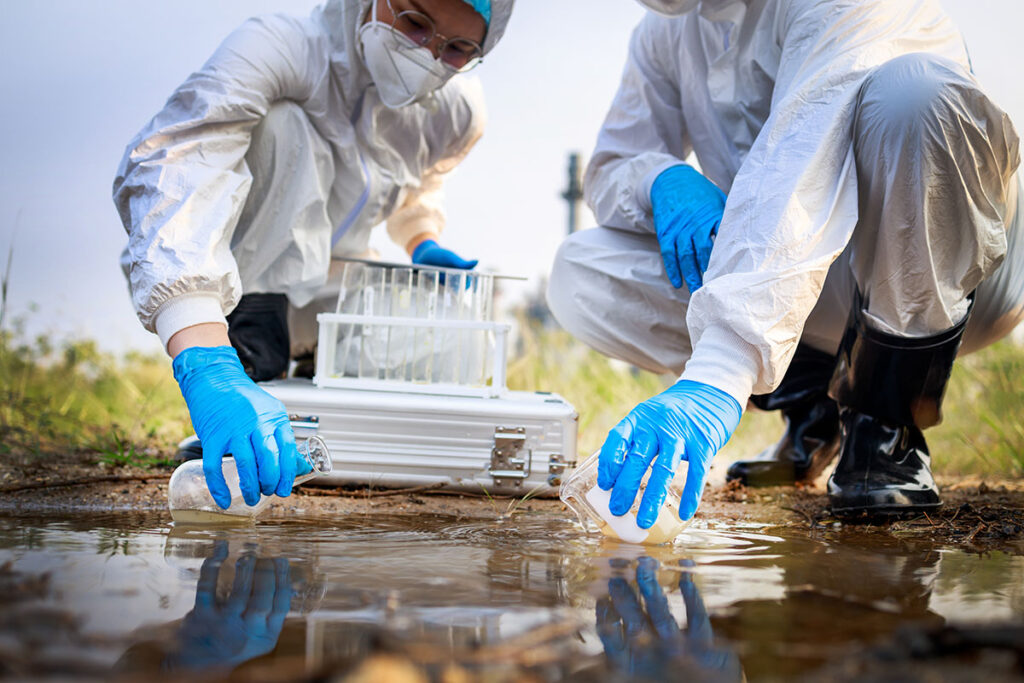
641 637
281 152
856 187
834 598
224 633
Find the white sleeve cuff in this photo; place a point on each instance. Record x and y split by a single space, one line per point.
186 311
643 190
724 361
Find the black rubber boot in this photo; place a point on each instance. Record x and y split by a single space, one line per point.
258 329
811 439
888 389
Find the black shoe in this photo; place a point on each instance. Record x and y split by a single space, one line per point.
258 329
189 449
888 389
811 439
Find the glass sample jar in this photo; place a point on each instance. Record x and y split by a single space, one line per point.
190 502
584 497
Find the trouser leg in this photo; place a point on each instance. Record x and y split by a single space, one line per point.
938 211
282 241
608 288
935 163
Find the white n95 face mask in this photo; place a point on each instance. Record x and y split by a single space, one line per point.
403 72
670 8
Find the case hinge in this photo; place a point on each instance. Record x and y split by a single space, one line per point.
510 458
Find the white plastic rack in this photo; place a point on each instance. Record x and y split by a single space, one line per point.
413 329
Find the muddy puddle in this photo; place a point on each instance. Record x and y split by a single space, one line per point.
441 598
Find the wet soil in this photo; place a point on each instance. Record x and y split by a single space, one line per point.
976 515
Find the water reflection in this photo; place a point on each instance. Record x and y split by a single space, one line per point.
222 632
834 596
495 599
641 636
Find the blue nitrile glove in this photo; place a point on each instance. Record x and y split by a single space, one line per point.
688 421
430 253
222 632
232 415
687 210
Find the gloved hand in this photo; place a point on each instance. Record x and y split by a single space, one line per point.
225 633
687 211
232 415
430 253
688 421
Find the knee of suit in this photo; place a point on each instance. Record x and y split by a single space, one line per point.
914 97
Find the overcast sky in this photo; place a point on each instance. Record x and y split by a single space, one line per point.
78 83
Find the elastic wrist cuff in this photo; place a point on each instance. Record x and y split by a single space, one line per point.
404 229
187 310
725 362
644 189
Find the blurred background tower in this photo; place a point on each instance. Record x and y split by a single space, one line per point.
574 192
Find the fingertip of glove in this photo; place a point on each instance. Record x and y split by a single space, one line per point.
618 508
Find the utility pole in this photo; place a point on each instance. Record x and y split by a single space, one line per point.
574 192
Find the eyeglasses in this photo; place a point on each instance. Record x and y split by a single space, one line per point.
457 54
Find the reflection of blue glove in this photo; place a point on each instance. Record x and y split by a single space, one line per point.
430 253
687 210
643 639
232 415
248 624
688 421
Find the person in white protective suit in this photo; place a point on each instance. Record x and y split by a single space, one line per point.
853 227
281 153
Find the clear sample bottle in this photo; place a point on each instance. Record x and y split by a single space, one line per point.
584 497
190 501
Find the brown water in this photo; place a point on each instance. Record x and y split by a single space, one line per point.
103 595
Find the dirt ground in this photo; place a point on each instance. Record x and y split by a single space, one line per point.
977 515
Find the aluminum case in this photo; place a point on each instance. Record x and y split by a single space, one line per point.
514 443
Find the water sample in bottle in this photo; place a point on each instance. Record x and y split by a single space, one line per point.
191 503
584 497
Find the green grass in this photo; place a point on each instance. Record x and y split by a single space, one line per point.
602 390
74 398
982 433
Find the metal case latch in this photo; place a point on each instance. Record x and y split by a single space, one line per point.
557 465
304 426
510 459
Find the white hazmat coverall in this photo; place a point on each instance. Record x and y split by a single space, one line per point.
856 150
277 155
